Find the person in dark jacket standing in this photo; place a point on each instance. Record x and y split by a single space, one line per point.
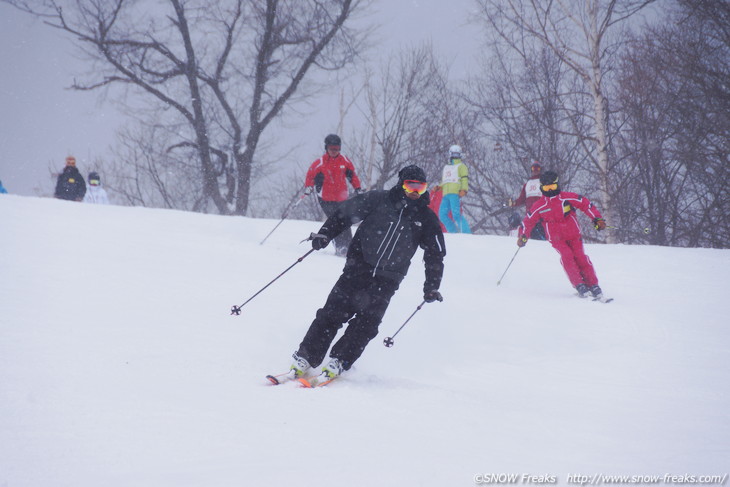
70 184
329 176
394 223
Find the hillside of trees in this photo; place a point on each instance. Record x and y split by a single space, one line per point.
632 110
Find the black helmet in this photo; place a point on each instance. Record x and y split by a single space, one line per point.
332 139
411 172
547 178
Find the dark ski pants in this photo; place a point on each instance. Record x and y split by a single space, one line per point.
360 299
342 241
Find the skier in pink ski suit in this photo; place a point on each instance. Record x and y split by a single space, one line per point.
556 209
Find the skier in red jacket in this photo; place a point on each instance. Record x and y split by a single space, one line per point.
556 209
528 196
329 175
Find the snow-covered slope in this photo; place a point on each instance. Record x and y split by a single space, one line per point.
120 364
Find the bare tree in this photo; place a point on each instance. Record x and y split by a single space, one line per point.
577 32
297 37
227 69
674 139
414 113
523 117
649 198
398 114
142 173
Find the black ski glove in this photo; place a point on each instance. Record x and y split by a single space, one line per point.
319 241
431 296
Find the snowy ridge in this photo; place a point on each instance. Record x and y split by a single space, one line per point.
120 364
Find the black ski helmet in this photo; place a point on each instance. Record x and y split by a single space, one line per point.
332 139
549 177
411 172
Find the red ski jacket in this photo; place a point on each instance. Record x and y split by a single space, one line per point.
558 216
530 193
330 176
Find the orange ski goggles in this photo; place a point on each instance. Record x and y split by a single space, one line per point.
550 187
413 186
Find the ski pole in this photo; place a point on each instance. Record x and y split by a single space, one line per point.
236 310
284 215
646 230
388 342
510 263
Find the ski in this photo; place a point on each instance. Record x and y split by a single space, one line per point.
308 381
313 382
603 299
600 299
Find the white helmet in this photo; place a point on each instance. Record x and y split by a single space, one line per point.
455 152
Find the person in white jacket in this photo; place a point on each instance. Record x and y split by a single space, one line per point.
95 193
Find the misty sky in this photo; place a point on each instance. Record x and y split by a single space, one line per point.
41 121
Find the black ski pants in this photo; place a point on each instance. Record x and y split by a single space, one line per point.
360 299
342 241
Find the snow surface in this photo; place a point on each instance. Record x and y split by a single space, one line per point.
120 364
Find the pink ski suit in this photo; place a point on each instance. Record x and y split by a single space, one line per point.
562 230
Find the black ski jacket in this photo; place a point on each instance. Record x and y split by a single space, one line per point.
392 229
70 185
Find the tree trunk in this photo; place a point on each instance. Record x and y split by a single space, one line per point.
600 104
210 183
244 161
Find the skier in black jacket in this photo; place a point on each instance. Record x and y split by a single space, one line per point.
70 184
394 224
